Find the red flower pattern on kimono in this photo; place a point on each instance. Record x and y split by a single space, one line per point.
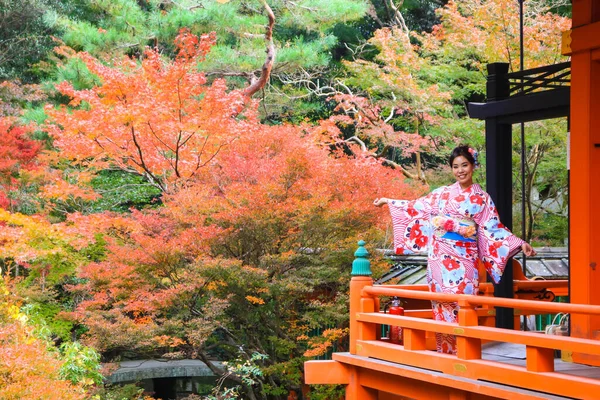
476 199
451 264
412 212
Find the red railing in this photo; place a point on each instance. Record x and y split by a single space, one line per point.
537 374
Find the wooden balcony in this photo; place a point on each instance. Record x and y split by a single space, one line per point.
485 366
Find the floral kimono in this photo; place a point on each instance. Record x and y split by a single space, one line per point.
456 228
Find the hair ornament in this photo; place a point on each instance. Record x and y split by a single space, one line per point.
475 155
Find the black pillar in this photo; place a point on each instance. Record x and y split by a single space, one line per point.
498 146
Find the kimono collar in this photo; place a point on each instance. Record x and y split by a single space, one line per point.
471 189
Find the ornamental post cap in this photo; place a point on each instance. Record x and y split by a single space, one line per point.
361 266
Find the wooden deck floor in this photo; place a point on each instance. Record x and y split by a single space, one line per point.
422 377
514 354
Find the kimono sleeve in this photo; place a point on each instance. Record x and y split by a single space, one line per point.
496 243
411 224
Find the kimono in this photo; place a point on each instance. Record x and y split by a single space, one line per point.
457 228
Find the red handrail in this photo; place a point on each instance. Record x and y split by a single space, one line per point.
531 305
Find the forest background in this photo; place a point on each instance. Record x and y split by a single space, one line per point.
189 178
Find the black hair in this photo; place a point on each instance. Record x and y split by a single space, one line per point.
464 151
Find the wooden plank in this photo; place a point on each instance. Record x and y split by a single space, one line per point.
501 373
437 378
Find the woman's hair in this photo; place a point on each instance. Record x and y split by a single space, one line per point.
465 151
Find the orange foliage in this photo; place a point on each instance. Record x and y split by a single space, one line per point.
488 30
28 370
242 202
17 153
320 345
271 195
157 118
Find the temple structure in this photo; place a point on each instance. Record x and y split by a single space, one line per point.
495 360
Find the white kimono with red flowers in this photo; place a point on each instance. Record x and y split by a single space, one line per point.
456 228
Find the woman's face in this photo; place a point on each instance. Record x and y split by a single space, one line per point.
463 171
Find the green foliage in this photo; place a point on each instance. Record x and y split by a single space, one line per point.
81 364
327 392
45 316
247 369
119 392
298 53
73 70
95 251
122 191
420 14
51 269
25 37
551 230
127 26
321 15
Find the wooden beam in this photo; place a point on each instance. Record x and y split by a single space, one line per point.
583 38
325 372
483 370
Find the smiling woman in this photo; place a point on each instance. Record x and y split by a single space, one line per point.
463 161
458 227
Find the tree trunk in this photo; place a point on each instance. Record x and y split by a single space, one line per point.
259 83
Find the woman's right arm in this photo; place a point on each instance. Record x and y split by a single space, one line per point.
381 201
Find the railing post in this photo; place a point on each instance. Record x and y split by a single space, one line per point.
467 348
539 359
361 277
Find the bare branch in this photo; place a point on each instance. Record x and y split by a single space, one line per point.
388 119
396 16
404 171
355 139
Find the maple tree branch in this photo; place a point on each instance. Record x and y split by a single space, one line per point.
260 83
187 139
158 138
211 157
372 12
404 171
142 163
355 139
396 15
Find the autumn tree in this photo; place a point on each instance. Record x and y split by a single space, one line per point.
159 119
251 256
29 366
17 155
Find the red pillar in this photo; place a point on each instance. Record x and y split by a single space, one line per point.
584 243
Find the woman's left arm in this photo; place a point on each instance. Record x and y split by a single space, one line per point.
495 242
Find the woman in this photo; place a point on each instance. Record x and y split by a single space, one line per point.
457 225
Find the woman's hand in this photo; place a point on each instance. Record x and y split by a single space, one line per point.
528 250
381 201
